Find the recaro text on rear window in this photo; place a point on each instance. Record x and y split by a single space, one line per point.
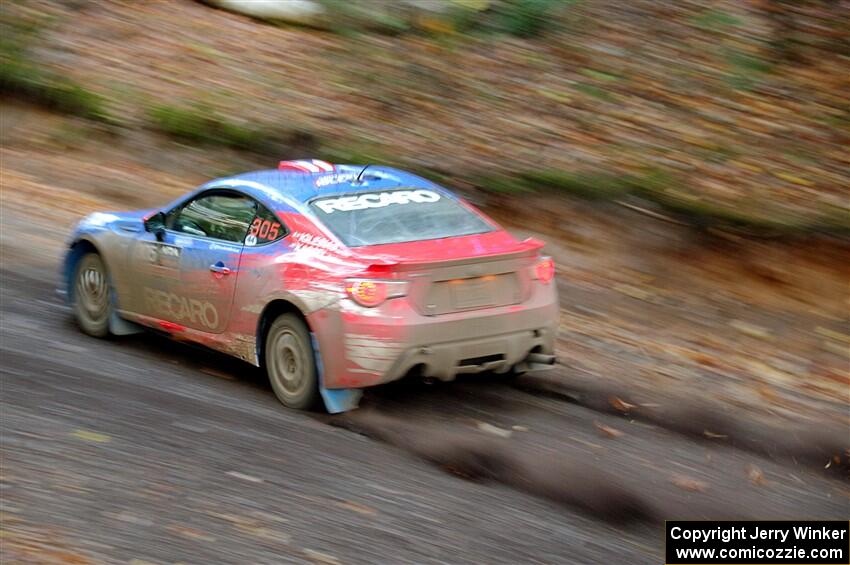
396 216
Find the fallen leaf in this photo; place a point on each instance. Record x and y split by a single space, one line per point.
689 484
607 430
587 443
319 557
836 348
794 179
703 359
264 533
234 519
494 430
357 507
88 435
130 518
749 329
190 533
216 373
633 291
756 475
767 393
620 404
244 477
838 336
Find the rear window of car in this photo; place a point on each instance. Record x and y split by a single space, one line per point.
396 216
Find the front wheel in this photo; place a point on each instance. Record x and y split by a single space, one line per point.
290 363
92 304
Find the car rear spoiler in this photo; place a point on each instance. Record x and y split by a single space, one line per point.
526 248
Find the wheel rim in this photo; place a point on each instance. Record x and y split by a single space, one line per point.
288 361
93 292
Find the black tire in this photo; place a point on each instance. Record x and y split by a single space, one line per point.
92 295
291 364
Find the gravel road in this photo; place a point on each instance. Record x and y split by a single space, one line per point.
141 450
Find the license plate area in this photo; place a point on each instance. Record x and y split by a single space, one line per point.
461 294
473 293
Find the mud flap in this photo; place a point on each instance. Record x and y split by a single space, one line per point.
120 326
336 400
117 324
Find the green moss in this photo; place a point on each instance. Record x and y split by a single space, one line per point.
671 195
351 19
599 75
199 124
747 63
715 20
834 221
586 185
519 18
21 78
589 185
502 184
705 214
746 70
594 91
718 153
194 123
525 18
356 153
71 134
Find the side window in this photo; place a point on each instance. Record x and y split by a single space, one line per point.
265 228
224 216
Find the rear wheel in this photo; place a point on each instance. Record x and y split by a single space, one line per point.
92 296
290 363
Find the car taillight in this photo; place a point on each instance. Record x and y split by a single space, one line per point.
371 293
544 270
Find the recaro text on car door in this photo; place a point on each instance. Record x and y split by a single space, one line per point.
192 277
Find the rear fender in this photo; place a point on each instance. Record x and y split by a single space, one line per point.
335 400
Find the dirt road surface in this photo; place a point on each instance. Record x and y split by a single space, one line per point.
140 448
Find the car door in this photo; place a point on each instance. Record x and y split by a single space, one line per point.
189 276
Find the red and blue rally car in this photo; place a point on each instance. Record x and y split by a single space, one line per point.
331 277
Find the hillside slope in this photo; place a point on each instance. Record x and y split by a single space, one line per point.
690 98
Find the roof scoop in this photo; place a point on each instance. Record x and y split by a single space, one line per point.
308 166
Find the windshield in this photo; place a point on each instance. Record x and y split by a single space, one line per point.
396 216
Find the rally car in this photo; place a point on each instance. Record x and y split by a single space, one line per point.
331 277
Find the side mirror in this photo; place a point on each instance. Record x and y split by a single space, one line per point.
156 225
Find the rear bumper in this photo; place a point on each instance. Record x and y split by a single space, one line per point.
497 353
362 347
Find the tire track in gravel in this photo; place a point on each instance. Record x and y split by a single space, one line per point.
474 456
578 458
820 446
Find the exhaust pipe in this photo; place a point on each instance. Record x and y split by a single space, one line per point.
541 358
535 362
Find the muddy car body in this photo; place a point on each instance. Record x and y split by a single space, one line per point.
332 277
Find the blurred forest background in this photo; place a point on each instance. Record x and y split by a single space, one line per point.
719 111
687 161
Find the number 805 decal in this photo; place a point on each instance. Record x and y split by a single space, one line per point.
263 231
